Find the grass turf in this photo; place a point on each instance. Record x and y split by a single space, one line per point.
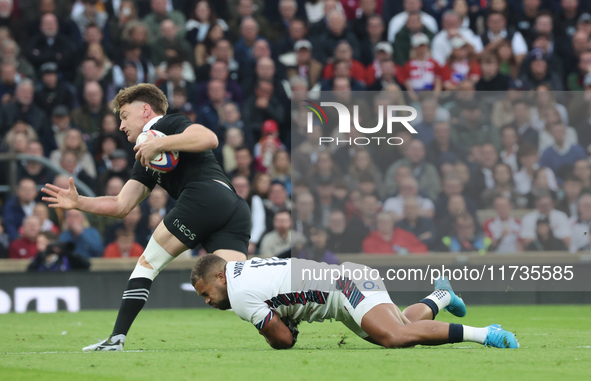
209 344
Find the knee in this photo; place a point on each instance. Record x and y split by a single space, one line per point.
401 340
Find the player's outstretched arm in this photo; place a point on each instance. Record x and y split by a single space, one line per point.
132 193
277 334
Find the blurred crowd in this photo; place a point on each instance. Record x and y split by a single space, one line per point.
503 90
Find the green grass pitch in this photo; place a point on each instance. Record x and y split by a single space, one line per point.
204 344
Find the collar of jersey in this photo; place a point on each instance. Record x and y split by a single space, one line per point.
151 122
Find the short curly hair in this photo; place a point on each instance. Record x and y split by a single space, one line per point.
205 265
143 92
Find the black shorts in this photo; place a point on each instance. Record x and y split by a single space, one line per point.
210 214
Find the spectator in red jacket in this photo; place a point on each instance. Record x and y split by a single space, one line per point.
26 246
344 52
421 72
461 65
124 246
389 240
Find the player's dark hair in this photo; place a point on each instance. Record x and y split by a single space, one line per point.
204 266
143 92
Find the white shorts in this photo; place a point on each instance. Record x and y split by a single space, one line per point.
351 316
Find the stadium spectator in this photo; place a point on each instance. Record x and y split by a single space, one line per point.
557 220
281 170
247 10
425 173
538 73
503 187
442 146
52 92
341 237
546 140
90 15
74 142
87 240
527 132
89 116
545 99
562 155
343 52
497 31
69 162
576 80
528 159
491 79
421 72
201 21
8 81
568 203
207 113
336 32
398 21
317 248
35 170
581 241
582 171
543 42
10 53
370 46
408 188
49 45
124 246
508 153
244 164
452 27
317 15
53 256
218 71
18 207
25 247
174 80
453 185
132 54
387 239
362 163
282 239
422 227
466 237
386 76
119 167
159 13
402 40
503 229
545 239
24 109
170 38
249 34
473 128
257 211
133 223
305 214
234 138
461 65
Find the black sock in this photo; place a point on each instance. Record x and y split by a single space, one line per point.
456 333
431 304
134 298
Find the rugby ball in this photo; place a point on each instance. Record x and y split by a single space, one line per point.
164 162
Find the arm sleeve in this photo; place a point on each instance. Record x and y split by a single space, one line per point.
251 308
144 175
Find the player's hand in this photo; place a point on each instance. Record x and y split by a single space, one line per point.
61 198
147 150
293 327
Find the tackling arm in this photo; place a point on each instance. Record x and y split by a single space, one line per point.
277 334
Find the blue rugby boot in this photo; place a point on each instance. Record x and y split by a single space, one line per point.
456 305
497 337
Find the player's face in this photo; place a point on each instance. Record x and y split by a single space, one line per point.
133 118
215 292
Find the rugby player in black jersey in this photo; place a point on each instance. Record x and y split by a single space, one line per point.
208 211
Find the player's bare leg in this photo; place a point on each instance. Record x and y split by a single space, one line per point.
387 326
162 248
230 255
418 311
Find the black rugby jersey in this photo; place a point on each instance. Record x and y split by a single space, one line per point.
192 166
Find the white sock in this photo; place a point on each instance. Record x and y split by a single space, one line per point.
477 335
118 337
441 298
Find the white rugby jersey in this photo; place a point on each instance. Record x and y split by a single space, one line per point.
260 288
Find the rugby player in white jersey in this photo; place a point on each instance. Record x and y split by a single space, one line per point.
266 293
